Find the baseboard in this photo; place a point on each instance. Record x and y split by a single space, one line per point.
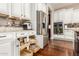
65 39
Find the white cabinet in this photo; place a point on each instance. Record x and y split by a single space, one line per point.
21 10
5 49
27 11
59 15
59 37
69 35
4 8
16 9
56 16
75 16
64 15
42 7
68 16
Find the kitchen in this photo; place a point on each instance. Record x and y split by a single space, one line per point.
39 29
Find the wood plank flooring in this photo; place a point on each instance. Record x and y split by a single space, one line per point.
56 48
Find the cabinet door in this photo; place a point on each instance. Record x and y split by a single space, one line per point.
16 9
75 16
56 16
41 7
27 7
5 49
68 16
3 8
61 15
69 34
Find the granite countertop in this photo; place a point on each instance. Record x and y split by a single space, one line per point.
74 29
12 29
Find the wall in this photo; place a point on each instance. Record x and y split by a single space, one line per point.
33 16
52 18
65 16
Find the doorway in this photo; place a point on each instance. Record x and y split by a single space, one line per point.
49 23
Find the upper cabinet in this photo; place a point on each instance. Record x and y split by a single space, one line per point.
16 9
4 8
42 7
56 16
64 15
68 17
76 16
27 11
59 15
19 10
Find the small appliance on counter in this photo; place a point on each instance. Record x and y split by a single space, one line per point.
27 25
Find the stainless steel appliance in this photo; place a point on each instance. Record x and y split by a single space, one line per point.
42 27
27 26
42 23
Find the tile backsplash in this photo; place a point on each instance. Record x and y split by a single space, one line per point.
5 25
3 22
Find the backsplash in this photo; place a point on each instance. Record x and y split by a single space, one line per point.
72 25
5 25
3 22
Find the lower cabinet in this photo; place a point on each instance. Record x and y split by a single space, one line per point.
59 37
42 40
68 35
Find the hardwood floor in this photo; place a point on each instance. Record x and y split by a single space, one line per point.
56 48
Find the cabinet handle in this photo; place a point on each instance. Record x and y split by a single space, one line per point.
2 36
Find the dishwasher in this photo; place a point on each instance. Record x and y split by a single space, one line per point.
7 44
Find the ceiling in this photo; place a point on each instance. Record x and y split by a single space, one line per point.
62 5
